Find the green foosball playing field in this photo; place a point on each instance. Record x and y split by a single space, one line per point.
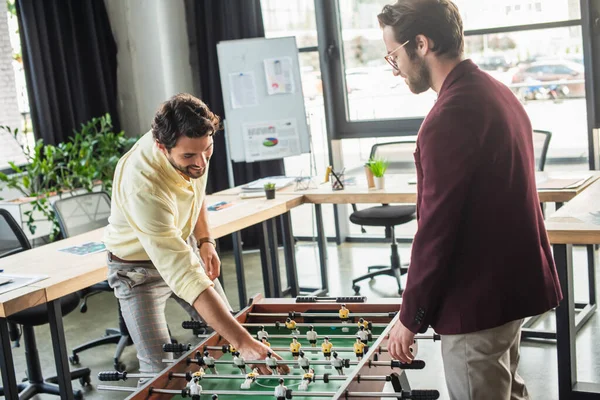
294 380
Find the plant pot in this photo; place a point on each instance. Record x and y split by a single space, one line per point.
369 175
379 182
270 194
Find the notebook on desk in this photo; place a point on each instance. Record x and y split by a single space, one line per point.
13 281
562 183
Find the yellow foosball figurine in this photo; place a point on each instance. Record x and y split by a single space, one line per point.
232 349
326 347
306 379
291 325
264 341
344 313
295 347
250 377
359 348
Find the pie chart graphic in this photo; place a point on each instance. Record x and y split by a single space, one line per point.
270 142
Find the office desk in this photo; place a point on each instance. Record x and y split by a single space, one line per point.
578 222
69 273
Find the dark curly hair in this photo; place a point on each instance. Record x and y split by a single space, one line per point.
183 114
439 20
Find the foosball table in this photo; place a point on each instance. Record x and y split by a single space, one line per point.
335 348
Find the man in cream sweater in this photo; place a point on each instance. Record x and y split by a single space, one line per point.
157 210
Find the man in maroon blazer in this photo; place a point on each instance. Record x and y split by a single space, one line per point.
481 260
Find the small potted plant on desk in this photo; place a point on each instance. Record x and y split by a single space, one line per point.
378 168
270 190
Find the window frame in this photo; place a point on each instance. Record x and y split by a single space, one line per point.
329 34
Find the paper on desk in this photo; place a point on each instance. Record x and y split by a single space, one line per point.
221 205
84 248
19 281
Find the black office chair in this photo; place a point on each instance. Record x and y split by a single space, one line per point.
80 214
541 141
12 241
400 156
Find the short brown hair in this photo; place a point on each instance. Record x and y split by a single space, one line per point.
439 20
183 114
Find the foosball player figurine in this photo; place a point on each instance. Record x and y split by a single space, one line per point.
363 335
291 325
194 388
280 391
271 363
295 347
262 333
303 362
239 362
232 349
359 348
250 378
209 361
326 347
366 324
265 342
306 379
343 313
338 363
311 336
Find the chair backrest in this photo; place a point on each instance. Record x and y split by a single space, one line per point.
82 213
541 141
12 237
399 154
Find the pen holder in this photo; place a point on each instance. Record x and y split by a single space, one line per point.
337 181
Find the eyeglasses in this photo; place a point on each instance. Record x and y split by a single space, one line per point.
392 59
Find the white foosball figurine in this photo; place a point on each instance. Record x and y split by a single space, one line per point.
239 362
306 379
194 387
280 391
250 378
262 334
209 361
363 335
271 363
337 363
311 336
344 313
303 362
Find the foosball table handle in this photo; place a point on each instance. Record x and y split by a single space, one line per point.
194 325
176 347
315 299
112 376
422 395
416 364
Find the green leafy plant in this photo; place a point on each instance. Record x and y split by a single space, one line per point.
269 186
378 166
89 157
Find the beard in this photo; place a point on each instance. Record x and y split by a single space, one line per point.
420 81
190 171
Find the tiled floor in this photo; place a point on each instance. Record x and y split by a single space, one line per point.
538 362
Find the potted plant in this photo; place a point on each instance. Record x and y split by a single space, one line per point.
378 168
270 190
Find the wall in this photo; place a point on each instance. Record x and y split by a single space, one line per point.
153 57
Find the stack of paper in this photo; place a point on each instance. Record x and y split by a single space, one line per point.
259 185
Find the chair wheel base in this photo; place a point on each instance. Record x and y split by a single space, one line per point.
74 359
356 289
119 366
85 381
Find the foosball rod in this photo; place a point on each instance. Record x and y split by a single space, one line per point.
294 314
113 376
415 364
281 325
296 393
434 337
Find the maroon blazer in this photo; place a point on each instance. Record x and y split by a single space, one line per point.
481 256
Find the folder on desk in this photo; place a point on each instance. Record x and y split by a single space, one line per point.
18 281
562 183
259 184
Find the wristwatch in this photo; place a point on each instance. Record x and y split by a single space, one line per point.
203 240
